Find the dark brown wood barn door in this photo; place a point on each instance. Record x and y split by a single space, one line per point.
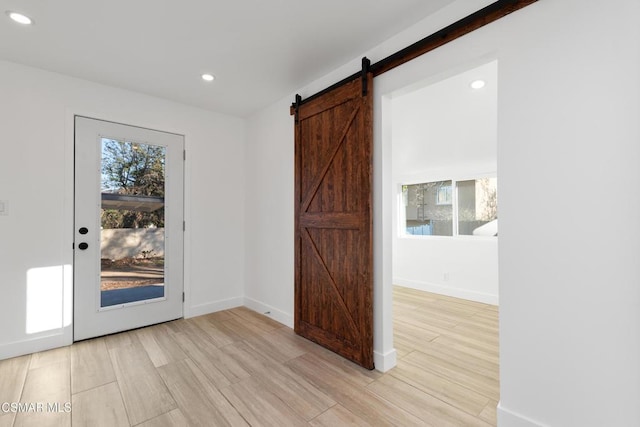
333 235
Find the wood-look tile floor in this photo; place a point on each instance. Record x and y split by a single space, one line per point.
237 367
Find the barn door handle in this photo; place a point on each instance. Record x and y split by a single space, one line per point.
82 246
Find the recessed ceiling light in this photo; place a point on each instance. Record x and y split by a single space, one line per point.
19 18
208 77
477 84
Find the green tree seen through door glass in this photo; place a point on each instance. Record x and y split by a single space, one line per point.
133 169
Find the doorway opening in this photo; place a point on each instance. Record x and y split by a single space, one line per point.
445 183
444 233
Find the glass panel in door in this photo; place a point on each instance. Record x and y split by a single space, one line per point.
132 222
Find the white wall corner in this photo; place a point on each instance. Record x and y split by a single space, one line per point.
508 418
267 310
211 307
385 362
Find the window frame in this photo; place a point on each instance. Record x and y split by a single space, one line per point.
402 220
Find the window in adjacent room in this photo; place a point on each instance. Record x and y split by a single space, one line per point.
452 208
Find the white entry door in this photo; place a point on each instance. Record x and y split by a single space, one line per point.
128 243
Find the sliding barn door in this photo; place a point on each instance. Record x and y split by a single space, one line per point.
333 236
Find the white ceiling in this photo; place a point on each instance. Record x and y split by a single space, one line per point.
258 50
446 127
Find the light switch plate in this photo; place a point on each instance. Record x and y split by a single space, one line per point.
4 207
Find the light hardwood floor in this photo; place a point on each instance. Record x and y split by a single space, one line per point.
238 367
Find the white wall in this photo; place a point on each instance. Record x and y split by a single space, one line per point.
445 130
569 100
36 177
465 267
569 105
269 218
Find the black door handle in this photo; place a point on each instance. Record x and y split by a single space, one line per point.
82 246
83 230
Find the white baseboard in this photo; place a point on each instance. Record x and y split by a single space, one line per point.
508 418
386 361
20 348
447 290
262 308
212 307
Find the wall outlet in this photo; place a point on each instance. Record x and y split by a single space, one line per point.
445 277
4 207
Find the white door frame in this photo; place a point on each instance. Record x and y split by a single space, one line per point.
89 318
